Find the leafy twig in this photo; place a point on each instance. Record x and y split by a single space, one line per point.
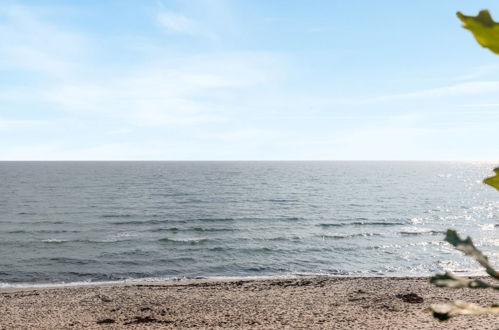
468 248
444 312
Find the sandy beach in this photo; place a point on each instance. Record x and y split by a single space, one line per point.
309 302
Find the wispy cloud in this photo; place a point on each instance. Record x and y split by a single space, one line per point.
246 134
153 92
178 23
462 89
197 90
479 72
10 124
104 111
30 43
480 105
179 83
58 151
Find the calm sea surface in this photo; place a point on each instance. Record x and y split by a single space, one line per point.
105 221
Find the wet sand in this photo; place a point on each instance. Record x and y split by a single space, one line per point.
306 302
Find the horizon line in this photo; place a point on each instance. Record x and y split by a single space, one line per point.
250 160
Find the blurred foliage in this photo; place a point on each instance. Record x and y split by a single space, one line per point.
468 248
444 312
484 29
493 180
486 32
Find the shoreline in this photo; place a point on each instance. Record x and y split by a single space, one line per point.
6 286
9 287
298 302
187 281
177 280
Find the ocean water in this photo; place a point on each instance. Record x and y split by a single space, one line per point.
66 222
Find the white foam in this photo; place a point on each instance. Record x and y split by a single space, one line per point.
166 280
53 240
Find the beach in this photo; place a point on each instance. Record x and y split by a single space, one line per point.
299 302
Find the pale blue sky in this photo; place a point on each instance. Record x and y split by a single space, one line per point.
252 79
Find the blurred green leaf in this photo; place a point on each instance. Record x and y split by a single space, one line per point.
484 29
468 248
486 33
444 312
493 180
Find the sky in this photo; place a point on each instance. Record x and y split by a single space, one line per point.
245 80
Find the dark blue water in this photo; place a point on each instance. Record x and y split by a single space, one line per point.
103 221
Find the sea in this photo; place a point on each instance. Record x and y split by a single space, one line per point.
93 222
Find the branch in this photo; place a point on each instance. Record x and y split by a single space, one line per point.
468 248
444 312
449 280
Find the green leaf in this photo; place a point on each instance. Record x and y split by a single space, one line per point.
449 280
493 180
484 29
468 248
445 311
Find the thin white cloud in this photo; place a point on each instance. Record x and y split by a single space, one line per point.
200 89
469 88
246 134
29 42
11 124
57 151
479 72
191 105
178 23
480 105
31 151
197 90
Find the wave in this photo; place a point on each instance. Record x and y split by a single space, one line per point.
256 250
52 222
43 231
139 222
245 219
214 219
342 236
361 223
133 252
17 232
421 232
86 241
291 219
326 225
284 238
192 229
185 241
169 194
377 223
199 220
163 221
74 261
126 215
54 241
149 280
